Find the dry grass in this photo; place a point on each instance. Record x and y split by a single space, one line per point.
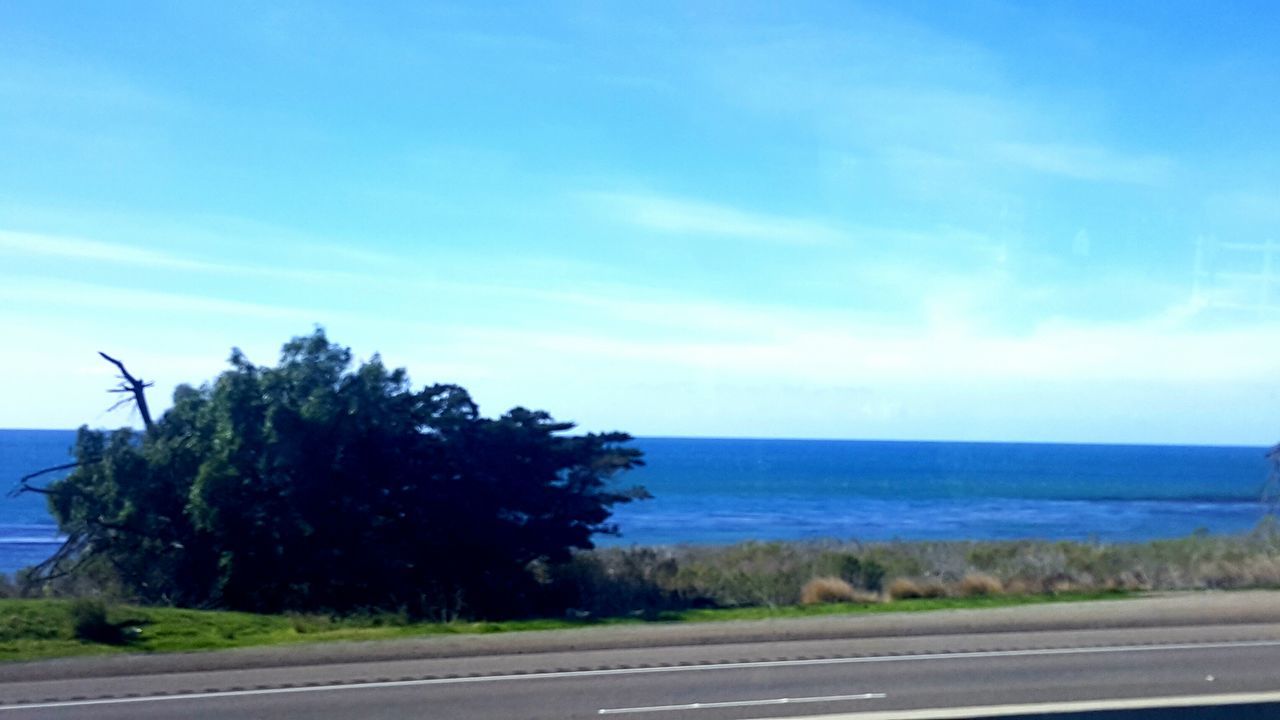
907 589
775 574
823 590
979 585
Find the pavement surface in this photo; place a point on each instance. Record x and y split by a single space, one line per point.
1210 647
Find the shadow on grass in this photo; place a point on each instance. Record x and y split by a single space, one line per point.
90 623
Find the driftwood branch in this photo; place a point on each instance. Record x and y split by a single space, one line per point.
135 387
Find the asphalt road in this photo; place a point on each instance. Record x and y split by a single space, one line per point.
710 682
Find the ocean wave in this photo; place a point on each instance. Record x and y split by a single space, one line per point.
30 534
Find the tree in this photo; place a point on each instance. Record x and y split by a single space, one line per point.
319 485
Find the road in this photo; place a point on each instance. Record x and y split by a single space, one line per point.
859 677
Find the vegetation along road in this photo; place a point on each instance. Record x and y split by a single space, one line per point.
1212 647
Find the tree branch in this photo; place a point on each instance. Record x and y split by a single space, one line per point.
134 386
23 482
51 568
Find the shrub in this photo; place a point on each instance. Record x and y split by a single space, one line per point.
89 622
613 582
990 556
1019 586
858 572
1063 584
747 574
897 559
1128 581
365 492
303 623
906 589
821 590
871 575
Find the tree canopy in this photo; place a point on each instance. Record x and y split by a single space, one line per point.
319 484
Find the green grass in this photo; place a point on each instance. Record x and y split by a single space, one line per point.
42 629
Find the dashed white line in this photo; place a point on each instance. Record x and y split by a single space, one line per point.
739 703
650 670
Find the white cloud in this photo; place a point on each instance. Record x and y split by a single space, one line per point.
728 368
833 349
784 372
694 217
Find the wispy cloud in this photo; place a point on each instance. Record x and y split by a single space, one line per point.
58 81
1251 207
98 251
93 297
1086 162
684 216
24 243
833 352
941 119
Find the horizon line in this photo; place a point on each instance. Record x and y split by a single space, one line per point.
937 441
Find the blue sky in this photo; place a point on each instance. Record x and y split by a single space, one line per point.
977 220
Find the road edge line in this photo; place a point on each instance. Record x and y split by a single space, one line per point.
981 712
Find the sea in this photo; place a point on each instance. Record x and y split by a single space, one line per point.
728 490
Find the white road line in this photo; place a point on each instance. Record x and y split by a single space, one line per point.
659 669
739 703
1051 708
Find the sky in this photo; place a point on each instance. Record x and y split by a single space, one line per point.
904 220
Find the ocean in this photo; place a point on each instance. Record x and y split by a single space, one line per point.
727 490
27 533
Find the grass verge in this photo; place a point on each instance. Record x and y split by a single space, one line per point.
44 629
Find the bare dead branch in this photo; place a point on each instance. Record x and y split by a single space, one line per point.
51 568
1271 488
135 387
119 403
24 482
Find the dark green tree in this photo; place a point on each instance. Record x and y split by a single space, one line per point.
317 484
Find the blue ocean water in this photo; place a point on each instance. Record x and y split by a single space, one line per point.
720 490
27 533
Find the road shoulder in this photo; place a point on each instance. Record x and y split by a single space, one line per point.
1163 610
